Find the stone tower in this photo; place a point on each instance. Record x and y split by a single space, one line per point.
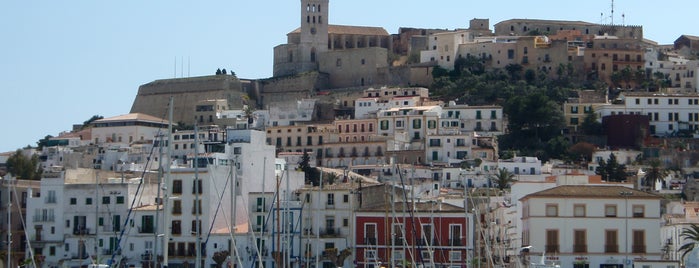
314 34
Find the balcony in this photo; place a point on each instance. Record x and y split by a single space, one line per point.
611 248
81 231
638 249
332 232
552 248
44 218
145 229
580 248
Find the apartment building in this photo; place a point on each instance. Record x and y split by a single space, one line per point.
426 233
595 226
124 129
668 114
14 194
79 214
610 55
485 120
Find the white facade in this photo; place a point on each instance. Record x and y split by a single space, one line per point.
521 165
668 113
593 224
75 220
484 120
125 129
443 47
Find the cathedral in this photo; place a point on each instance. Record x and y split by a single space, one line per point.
350 56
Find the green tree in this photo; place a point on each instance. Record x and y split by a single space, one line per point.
311 174
590 125
24 167
43 142
581 151
611 170
92 119
220 257
691 235
502 178
514 71
654 173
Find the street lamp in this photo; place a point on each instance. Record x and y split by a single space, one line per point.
626 195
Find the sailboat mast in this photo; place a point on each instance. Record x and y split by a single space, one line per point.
166 231
197 205
234 247
9 221
158 200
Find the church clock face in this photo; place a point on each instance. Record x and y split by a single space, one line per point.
313 30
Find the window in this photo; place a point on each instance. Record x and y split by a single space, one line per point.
417 123
454 255
435 142
610 241
177 187
120 200
579 210
639 244
176 227
370 233
552 241
331 199
88 201
345 198
384 125
397 234
177 207
197 186
579 241
455 238
73 200
431 124
610 210
105 200
638 211
551 210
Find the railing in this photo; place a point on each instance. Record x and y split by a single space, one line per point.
81 231
398 241
579 248
455 242
145 229
44 218
50 200
552 248
638 249
330 232
611 248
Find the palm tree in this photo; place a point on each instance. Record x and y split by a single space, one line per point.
691 235
655 173
502 178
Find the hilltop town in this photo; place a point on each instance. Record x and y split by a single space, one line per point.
541 143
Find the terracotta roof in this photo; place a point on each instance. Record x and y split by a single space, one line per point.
351 30
422 206
591 191
132 117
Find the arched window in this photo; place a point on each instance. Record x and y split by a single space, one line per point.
318 8
314 19
308 7
314 8
313 54
308 19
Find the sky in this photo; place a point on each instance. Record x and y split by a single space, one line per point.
61 62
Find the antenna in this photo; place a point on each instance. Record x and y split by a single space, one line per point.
612 12
174 69
623 19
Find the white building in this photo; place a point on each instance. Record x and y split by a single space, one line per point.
76 221
668 113
124 129
487 120
594 225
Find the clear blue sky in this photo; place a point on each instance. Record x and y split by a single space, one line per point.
63 61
